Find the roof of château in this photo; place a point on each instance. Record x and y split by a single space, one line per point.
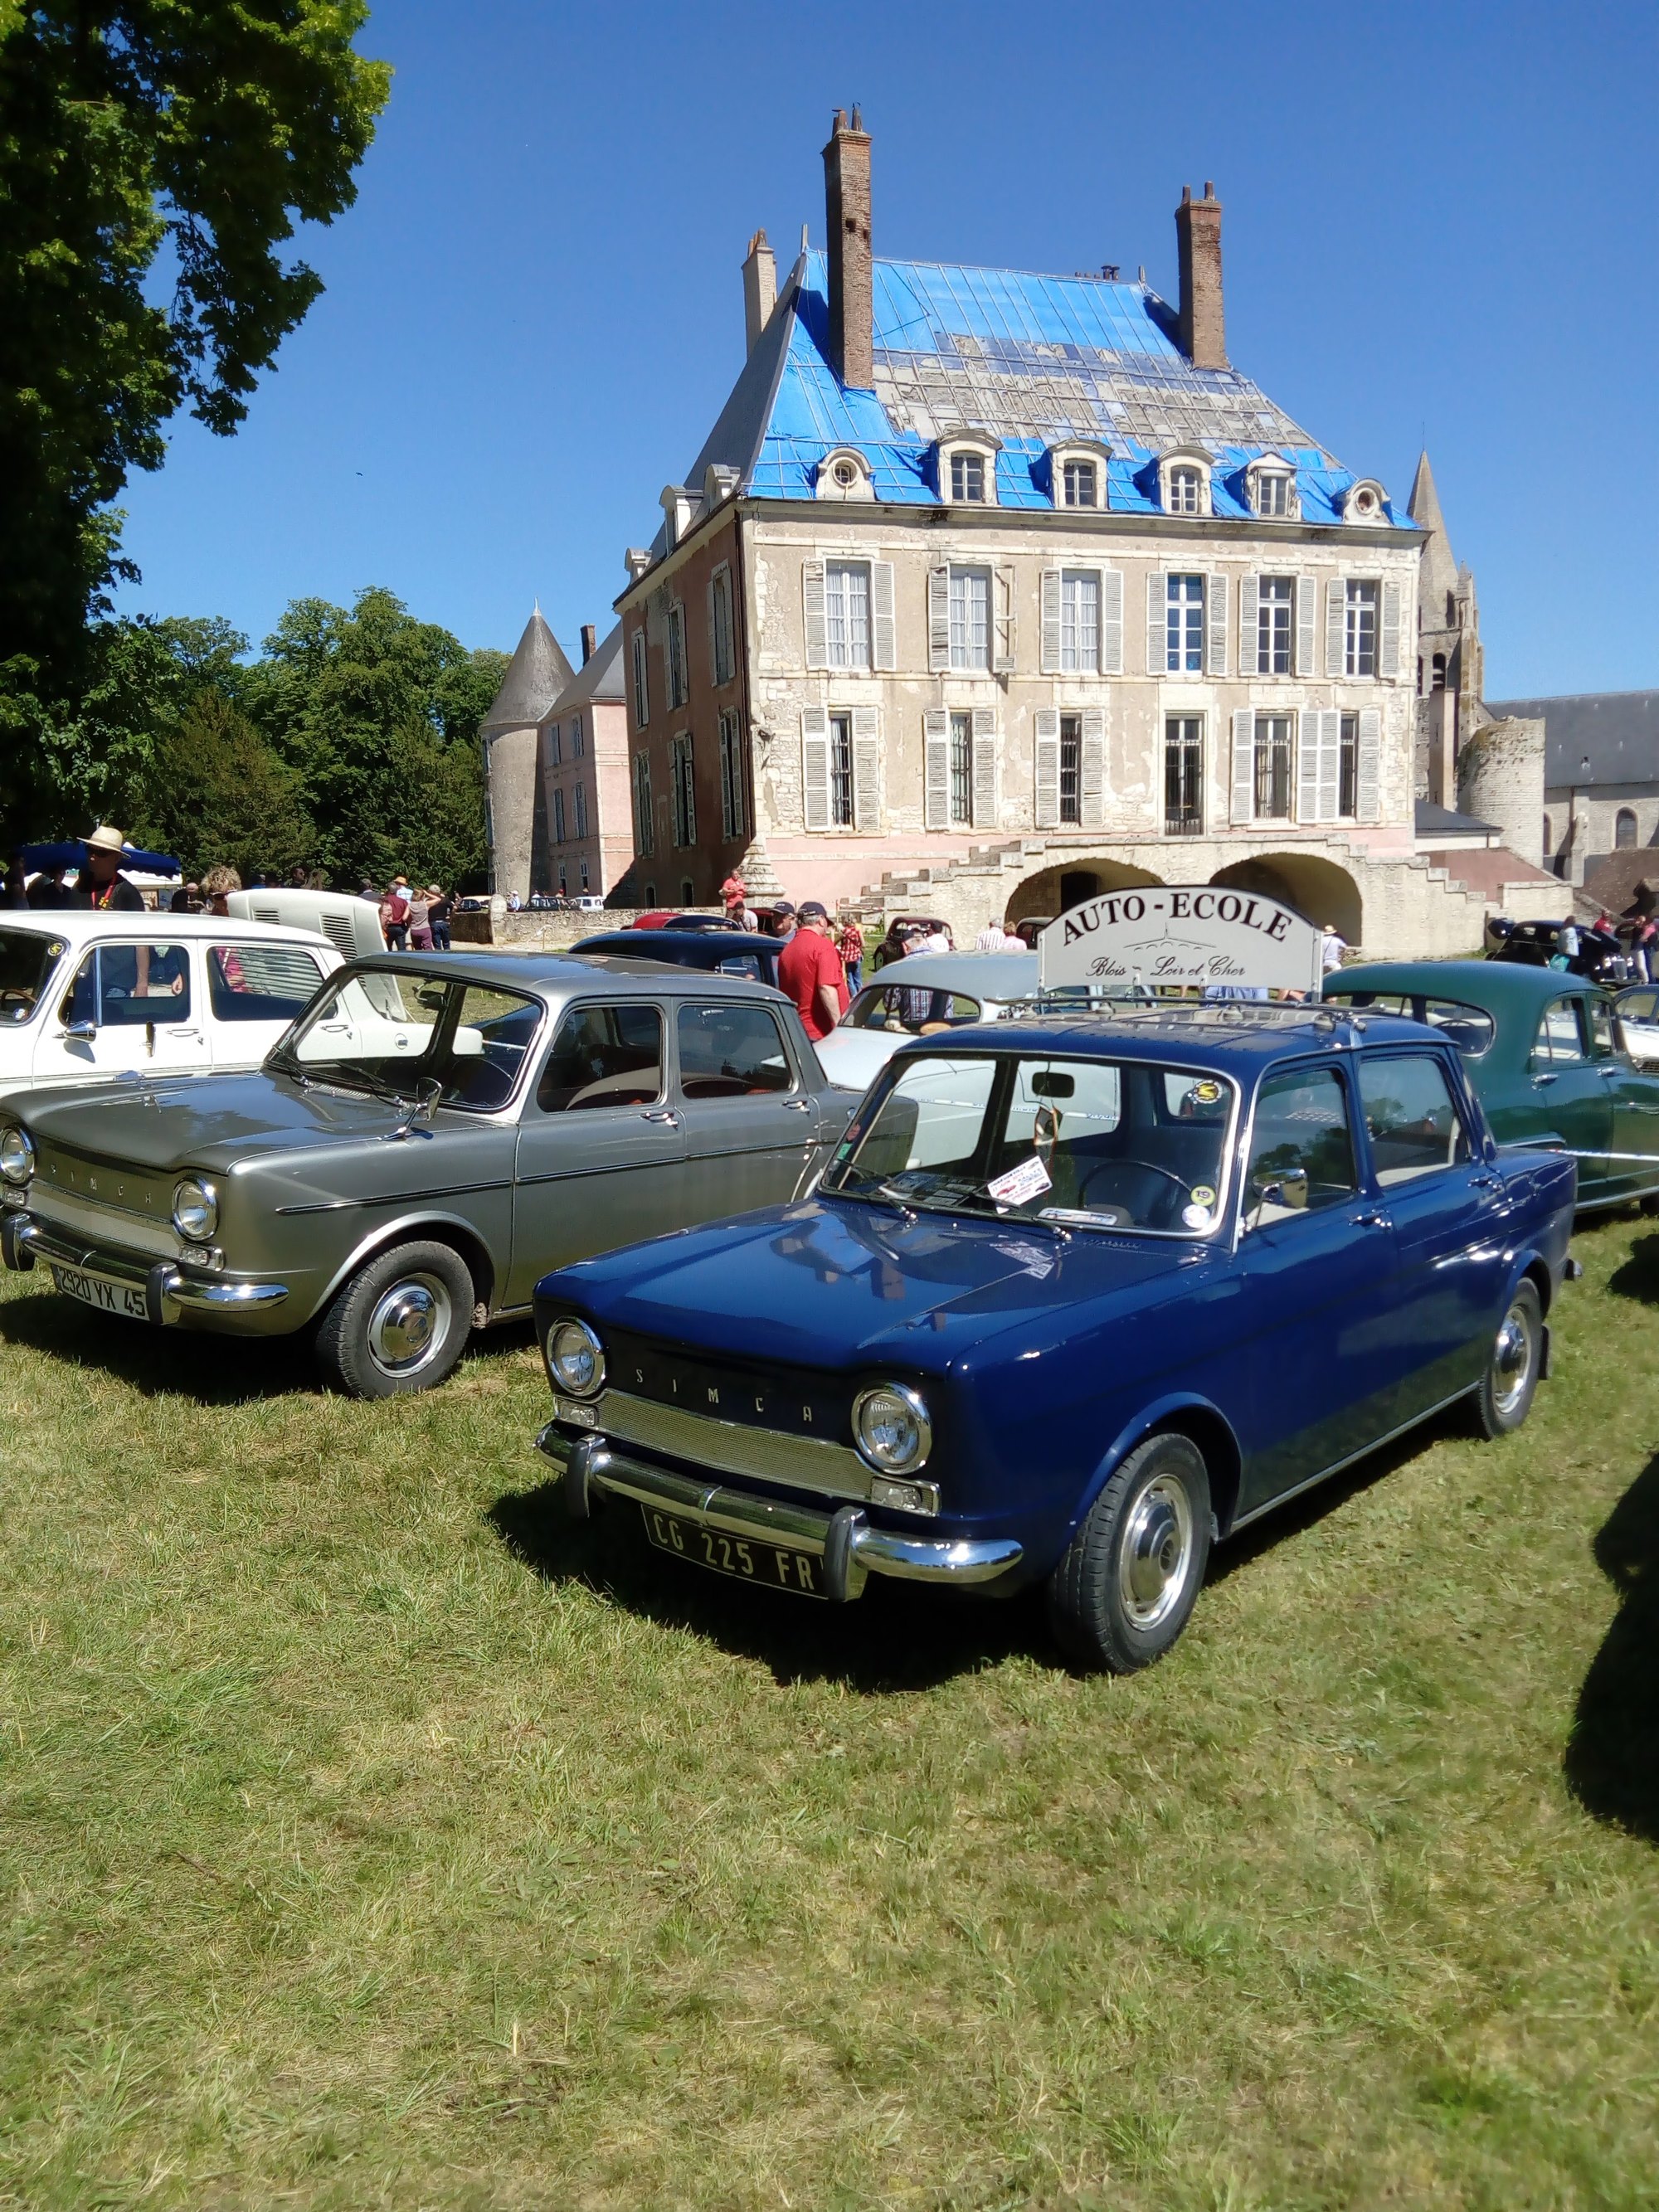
600 676
535 675
1593 737
1030 359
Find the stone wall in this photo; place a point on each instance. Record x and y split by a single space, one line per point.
543 932
1500 779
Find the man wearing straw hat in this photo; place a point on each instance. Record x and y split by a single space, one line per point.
101 883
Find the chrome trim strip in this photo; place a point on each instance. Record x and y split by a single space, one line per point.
396 1198
731 1447
1284 1496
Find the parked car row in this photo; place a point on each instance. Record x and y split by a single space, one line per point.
1021 1314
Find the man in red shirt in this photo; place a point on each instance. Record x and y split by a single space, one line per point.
809 972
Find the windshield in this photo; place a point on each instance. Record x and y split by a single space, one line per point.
27 960
1471 1029
384 1032
909 1011
1092 1143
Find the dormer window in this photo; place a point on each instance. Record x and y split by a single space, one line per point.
1074 470
1270 488
1184 481
843 473
1080 484
966 466
1363 501
1273 494
967 478
1186 491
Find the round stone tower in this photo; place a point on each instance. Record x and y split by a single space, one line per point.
1500 779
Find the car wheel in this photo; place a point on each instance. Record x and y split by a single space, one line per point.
400 1324
1504 1398
1131 1575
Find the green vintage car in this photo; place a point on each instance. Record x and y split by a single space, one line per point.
1546 1055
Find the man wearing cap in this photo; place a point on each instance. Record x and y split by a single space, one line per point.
102 884
809 972
783 921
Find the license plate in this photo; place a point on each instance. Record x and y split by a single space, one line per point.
746 1556
107 1297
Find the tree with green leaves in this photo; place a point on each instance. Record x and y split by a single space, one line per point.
144 144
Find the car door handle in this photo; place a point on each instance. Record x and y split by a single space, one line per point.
1541 1080
1486 1183
185 1033
1373 1221
798 1105
665 1115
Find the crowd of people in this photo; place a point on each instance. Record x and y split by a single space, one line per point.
413 919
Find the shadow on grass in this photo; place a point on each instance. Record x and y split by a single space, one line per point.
1308 1510
899 1636
1638 1278
1612 1761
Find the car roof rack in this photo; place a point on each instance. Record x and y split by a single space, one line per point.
1325 1017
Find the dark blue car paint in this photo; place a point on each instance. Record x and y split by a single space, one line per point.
1287 1351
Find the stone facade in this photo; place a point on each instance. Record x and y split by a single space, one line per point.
510 736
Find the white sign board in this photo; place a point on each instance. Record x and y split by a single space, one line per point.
1181 935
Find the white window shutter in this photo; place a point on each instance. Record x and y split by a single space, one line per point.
1244 766
1157 635
1368 767
939 619
985 768
1307 625
1215 625
883 625
818 646
714 653
1330 765
1388 656
1006 622
866 768
1047 768
1111 622
1336 629
936 769
1092 779
815 767
1309 735
1249 633
1051 622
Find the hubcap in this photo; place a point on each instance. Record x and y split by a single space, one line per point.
1512 1360
410 1322
1156 1551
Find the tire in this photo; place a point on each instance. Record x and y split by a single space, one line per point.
1505 1397
1131 1575
400 1324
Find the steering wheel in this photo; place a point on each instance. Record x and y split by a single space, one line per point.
1131 1167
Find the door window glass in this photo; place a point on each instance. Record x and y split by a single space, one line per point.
389 1033
604 1056
26 964
494 1030
1604 1037
1471 1029
1301 1148
907 1009
731 1051
1412 1116
126 985
260 983
1559 1037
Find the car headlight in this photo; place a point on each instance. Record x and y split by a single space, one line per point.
16 1154
575 1358
891 1426
195 1209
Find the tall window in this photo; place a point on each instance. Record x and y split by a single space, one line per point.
678 690
1082 485
1272 492
582 812
720 594
1184 626
1186 486
681 793
1438 672
558 817
1624 830
1183 775
967 478
642 805
970 618
641 688
1275 616
553 747
1272 767
846 613
1071 767
731 779
1080 619
1361 657
1347 793
576 738
962 768
841 771
582 863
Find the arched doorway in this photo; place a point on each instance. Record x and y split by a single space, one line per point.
1052 891
1321 892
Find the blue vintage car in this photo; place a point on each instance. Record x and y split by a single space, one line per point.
1075 1298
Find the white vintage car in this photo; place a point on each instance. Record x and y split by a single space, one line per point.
919 996
89 996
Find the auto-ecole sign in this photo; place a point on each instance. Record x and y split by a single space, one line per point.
1181 936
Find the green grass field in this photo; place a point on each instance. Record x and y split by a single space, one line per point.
370 1839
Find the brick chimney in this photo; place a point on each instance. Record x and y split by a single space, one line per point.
1198 234
847 202
760 288
588 640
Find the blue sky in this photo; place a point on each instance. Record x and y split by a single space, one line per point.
1440 222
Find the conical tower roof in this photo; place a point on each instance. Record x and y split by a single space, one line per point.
535 675
1438 576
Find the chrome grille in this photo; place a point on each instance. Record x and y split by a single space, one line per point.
106 1185
102 1224
764 1455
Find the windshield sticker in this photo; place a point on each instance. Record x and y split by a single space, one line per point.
1195 1217
1077 1217
1207 1093
1027 1181
1202 1194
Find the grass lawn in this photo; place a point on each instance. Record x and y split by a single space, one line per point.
368 1838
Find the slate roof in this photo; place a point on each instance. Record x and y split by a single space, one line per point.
535 675
1617 732
599 678
1433 821
1029 358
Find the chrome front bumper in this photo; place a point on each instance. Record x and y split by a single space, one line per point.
169 1294
849 1547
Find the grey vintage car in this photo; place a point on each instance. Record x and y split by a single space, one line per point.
432 1133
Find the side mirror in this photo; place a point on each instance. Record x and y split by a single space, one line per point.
1280 1187
83 1032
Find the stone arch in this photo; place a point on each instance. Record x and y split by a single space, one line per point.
1039 897
1320 891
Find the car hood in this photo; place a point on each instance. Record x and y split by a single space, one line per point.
829 1283
852 1059
200 1120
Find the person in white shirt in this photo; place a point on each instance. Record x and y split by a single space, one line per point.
1331 950
990 937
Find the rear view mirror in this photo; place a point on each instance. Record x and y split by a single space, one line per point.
1049 1083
